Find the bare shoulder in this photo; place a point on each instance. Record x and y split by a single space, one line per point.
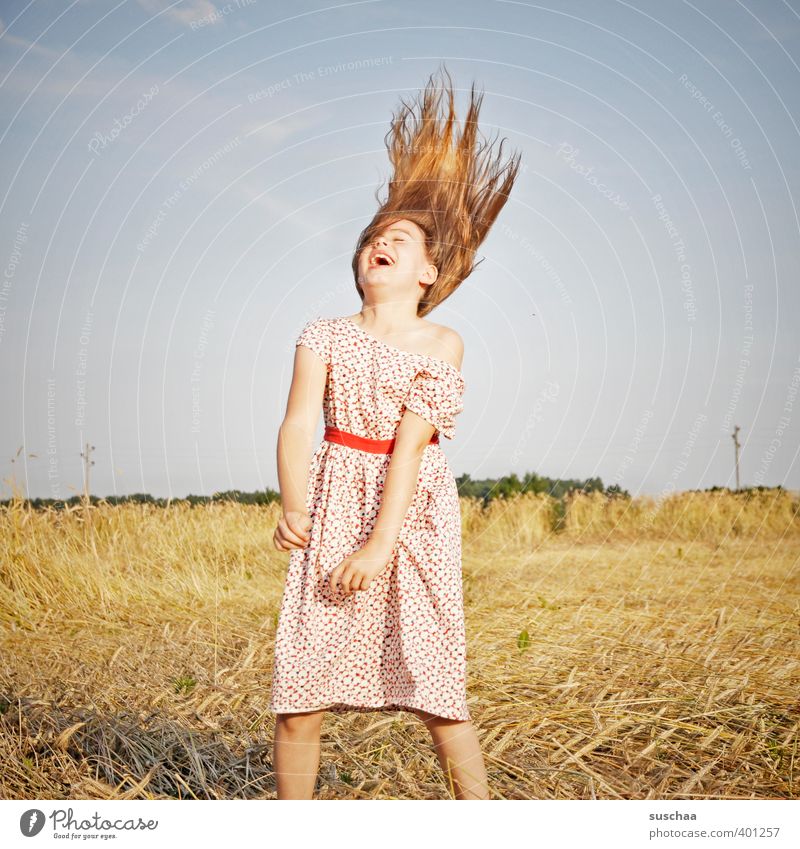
448 343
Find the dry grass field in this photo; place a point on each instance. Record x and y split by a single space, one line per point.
622 650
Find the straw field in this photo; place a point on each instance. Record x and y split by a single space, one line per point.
617 649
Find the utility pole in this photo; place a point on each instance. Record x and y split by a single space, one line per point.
87 463
736 446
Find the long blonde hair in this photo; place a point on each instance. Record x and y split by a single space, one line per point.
450 188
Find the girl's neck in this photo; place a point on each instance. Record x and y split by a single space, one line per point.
386 319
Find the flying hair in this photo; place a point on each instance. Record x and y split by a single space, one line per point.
448 183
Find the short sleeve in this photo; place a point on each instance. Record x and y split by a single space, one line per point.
437 395
316 335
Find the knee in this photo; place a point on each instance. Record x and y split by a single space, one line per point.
422 715
433 720
299 724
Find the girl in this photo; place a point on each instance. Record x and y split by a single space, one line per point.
372 617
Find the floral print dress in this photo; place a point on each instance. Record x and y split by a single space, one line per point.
401 643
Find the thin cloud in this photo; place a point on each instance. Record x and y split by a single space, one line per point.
185 13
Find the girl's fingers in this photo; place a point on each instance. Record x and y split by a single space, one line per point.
341 578
298 530
349 580
352 581
290 536
283 544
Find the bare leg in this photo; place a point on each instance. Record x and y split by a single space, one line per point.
460 756
296 753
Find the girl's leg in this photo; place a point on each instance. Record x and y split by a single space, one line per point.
296 753
459 753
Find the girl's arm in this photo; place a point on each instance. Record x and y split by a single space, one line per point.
295 442
357 571
413 436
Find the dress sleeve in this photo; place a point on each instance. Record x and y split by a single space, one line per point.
436 395
316 335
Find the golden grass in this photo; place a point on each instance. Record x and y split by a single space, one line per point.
645 651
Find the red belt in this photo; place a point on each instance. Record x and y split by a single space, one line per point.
375 446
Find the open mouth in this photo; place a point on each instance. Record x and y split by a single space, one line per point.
380 258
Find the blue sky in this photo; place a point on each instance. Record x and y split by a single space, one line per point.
183 186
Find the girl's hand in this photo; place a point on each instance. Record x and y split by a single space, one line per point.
357 571
292 531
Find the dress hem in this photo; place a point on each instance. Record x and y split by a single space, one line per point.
345 707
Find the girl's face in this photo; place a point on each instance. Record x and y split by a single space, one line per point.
396 261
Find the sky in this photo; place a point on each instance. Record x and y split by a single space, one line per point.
183 185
